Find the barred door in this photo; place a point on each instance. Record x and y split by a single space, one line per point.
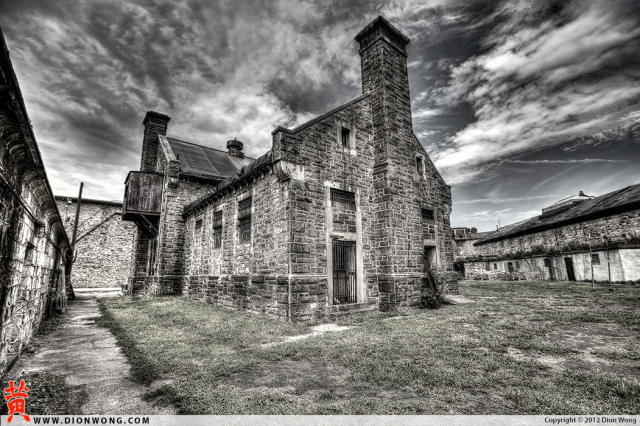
344 272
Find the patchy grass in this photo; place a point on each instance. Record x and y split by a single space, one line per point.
48 394
521 348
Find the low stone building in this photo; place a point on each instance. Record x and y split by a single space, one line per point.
580 238
345 212
34 248
104 242
463 240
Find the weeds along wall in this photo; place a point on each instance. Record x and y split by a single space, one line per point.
614 242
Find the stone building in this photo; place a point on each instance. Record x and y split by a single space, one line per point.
104 242
34 248
463 240
345 212
579 238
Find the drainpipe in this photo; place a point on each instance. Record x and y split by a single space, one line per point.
591 262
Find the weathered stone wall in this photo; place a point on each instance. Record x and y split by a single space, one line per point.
621 228
392 179
570 241
33 243
104 243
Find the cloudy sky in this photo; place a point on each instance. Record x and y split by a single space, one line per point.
518 103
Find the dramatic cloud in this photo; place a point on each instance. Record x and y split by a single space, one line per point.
550 75
513 100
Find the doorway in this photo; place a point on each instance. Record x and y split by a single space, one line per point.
570 272
344 272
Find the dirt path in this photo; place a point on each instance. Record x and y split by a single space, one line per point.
92 364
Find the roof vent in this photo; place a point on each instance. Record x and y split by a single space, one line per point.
235 148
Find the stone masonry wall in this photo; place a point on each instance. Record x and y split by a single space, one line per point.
104 244
33 245
391 186
622 228
570 241
248 275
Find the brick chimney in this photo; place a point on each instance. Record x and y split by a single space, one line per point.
235 148
155 124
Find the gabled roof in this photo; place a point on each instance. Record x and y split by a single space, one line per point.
202 161
615 202
247 171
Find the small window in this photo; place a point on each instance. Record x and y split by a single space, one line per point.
487 266
517 265
495 266
428 214
343 199
595 259
198 225
547 263
510 267
217 229
217 219
345 137
419 165
244 228
244 207
217 238
68 218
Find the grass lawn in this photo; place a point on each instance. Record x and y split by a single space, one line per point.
520 348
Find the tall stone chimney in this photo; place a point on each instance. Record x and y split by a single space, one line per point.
385 77
155 124
235 148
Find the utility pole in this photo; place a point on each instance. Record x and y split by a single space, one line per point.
75 224
606 240
591 262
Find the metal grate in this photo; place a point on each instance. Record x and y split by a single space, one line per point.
244 207
217 219
244 229
343 199
217 238
344 272
428 214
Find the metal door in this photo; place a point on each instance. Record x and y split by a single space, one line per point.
344 272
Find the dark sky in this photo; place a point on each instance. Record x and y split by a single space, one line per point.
518 103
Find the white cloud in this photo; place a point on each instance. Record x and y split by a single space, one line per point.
543 83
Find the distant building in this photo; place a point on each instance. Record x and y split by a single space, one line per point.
463 240
579 238
34 248
104 242
345 212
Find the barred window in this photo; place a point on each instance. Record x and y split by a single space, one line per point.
217 219
343 199
244 207
217 237
198 225
428 214
244 228
595 259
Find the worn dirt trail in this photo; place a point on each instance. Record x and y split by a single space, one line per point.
92 364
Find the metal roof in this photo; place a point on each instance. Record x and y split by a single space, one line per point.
620 201
198 160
